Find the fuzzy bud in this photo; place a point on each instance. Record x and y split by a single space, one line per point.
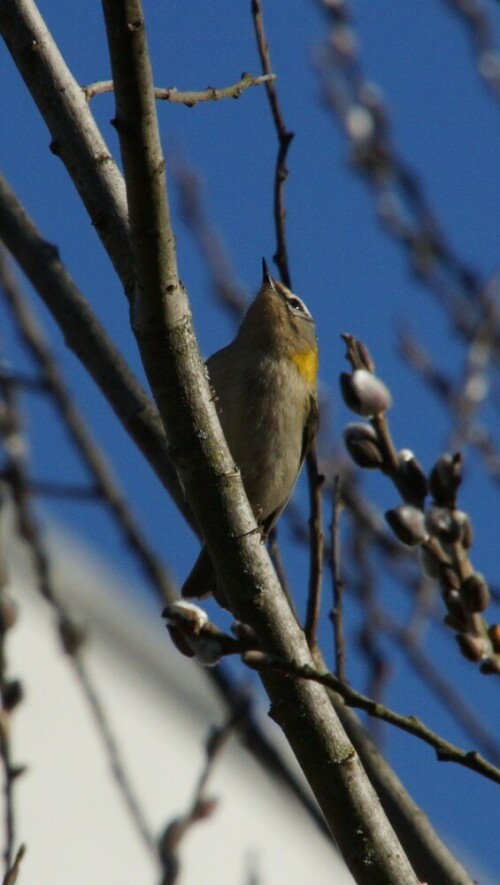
408 524
457 623
413 473
445 478
362 445
336 8
72 636
245 633
475 593
359 123
442 525
180 641
257 660
494 634
12 694
344 41
205 809
185 616
8 613
456 616
364 393
472 647
357 353
491 666
207 649
17 771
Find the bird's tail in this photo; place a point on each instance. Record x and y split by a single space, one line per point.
201 581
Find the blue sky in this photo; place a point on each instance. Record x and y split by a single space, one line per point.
351 274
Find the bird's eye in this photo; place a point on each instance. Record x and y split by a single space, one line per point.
293 302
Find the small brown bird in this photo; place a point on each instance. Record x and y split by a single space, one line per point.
266 396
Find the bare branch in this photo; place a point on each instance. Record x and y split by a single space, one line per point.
70 634
336 614
13 873
191 98
197 628
160 319
284 140
202 805
105 486
464 397
76 138
445 751
87 338
134 409
316 481
441 531
440 687
480 29
10 690
400 201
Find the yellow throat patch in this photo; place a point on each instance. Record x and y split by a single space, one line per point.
307 364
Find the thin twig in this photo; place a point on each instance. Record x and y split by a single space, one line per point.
445 751
87 338
76 138
100 470
113 753
64 491
476 20
190 98
70 634
451 699
463 398
337 612
262 661
170 356
12 874
364 583
202 806
428 526
7 432
8 778
284 140
316 549
47 81
135 410
400 201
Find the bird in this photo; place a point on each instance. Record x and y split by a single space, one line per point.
265 389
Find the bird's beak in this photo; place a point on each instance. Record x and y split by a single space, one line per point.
266 276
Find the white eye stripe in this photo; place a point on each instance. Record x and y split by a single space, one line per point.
296 305
293 302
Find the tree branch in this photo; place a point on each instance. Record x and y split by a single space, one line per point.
162 324
445 750
105 487
86 337
189 98
76 138
132 406
431 857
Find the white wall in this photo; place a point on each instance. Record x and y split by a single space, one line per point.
68 810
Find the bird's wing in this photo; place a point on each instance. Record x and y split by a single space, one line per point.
311 425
